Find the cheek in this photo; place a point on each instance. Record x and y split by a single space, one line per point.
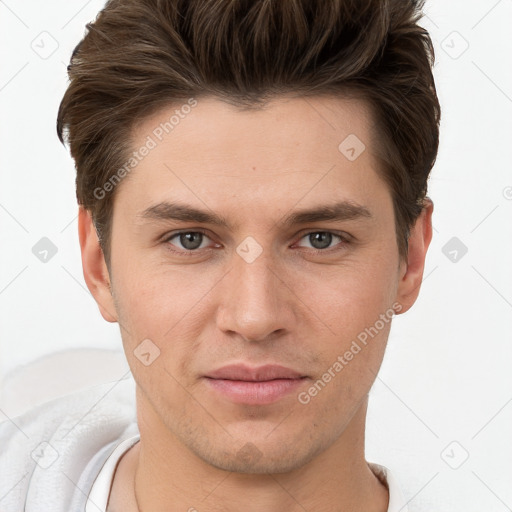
349 298
355 302
144 295
167 307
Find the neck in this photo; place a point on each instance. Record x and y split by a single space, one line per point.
168 477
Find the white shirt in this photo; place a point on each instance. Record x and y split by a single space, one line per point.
98 497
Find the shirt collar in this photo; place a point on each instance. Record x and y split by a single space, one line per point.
397 501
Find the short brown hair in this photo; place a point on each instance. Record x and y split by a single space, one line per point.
140 55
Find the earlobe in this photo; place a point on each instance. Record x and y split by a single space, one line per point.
94 267
412 274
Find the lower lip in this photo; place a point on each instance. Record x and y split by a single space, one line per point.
255 393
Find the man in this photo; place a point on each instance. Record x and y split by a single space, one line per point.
252 180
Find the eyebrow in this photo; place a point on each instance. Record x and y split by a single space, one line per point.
340 211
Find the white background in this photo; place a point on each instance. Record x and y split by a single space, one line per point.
447 373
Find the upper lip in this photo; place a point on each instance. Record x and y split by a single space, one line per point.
259 373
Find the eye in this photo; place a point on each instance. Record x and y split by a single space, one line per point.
321 240
188 241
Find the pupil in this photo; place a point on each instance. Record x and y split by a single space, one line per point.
320 240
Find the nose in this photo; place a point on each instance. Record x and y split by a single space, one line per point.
255 301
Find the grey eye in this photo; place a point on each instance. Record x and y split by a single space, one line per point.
321 239
190 240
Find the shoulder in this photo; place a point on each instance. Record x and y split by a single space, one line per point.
45 450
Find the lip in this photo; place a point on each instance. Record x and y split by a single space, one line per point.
256 386
254 374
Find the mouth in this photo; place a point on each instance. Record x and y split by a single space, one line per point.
262 385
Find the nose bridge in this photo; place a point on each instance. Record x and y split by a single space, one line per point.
253 302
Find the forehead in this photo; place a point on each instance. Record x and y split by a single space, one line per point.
291 150
307 123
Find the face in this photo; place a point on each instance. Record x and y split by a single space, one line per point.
255 280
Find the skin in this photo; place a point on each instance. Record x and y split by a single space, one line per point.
290 306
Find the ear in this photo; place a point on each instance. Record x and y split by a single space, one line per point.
411 270
94 267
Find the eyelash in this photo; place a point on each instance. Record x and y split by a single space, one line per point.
192 252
